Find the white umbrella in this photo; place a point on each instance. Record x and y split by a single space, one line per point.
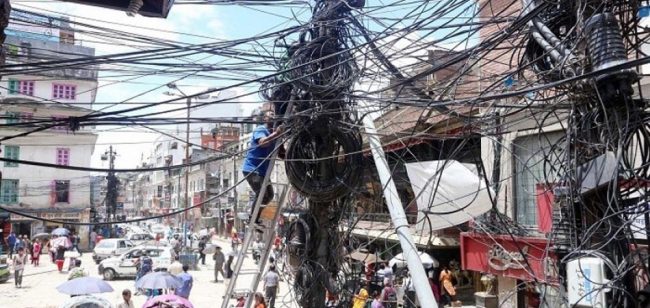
428 261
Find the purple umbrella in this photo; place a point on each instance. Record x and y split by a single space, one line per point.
84 285
168 300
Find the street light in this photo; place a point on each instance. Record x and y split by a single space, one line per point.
173 86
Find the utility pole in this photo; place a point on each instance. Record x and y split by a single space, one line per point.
111 185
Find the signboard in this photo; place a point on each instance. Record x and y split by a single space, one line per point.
500 255
29 25
54 216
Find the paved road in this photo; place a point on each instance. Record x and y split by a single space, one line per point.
39 286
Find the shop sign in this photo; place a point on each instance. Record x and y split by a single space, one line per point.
74 216
523 258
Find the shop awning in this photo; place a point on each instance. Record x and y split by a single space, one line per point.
386 231
361 256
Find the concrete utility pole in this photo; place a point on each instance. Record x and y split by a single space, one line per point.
416 269
111 185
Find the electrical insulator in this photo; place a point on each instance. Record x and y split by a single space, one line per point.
606 49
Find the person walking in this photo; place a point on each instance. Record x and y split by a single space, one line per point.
271 280
389 296
202 244
36 252
228 266
219 258
257 160
11 243
75 243
409 292
359 300
60 257
259 300
448 290
19 261
18 243
126 300
234 241
187 283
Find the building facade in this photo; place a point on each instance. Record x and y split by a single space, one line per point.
52 95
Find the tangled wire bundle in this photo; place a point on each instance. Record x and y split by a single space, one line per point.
324 160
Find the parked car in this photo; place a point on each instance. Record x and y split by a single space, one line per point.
125 264
4 273
110 247
139 238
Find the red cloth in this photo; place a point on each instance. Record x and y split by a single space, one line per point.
59 265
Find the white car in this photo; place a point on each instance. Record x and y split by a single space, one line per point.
139 238
110 247
124 265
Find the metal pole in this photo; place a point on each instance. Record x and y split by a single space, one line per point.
187 174
234 183
416 269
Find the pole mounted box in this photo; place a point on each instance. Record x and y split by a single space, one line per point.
149 8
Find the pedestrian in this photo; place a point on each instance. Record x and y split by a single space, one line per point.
409 292
19 261
271 280
27 244
257 160
187 282
202 244
60 257
19 243
228 266
360 299
11 243
376 302
126 300
389 296
380 274
176 267
234 241
448 290
388 274
93 242
259 300
258 246
36 252
75 243
219 259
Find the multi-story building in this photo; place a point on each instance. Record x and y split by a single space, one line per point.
50 95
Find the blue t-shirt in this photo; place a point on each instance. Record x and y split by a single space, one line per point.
257 157
186 287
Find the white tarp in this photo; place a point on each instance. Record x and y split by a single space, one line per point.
450 189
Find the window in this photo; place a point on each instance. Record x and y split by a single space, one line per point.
26 87
12 152
13 86
9 191
62 191
531 169
63 156
12 117
64 91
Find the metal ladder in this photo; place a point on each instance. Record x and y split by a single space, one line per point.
231 291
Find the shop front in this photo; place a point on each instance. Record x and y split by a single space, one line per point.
29 226
523 268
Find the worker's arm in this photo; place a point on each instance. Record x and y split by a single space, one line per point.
266 141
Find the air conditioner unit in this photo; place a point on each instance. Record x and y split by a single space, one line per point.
586 282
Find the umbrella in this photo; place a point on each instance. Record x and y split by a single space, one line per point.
87 301
61 232
170 300
399 261
61 241
84 285
41 236
158 280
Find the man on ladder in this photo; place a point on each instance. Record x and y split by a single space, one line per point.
258 156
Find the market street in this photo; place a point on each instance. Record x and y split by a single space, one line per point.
39 286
